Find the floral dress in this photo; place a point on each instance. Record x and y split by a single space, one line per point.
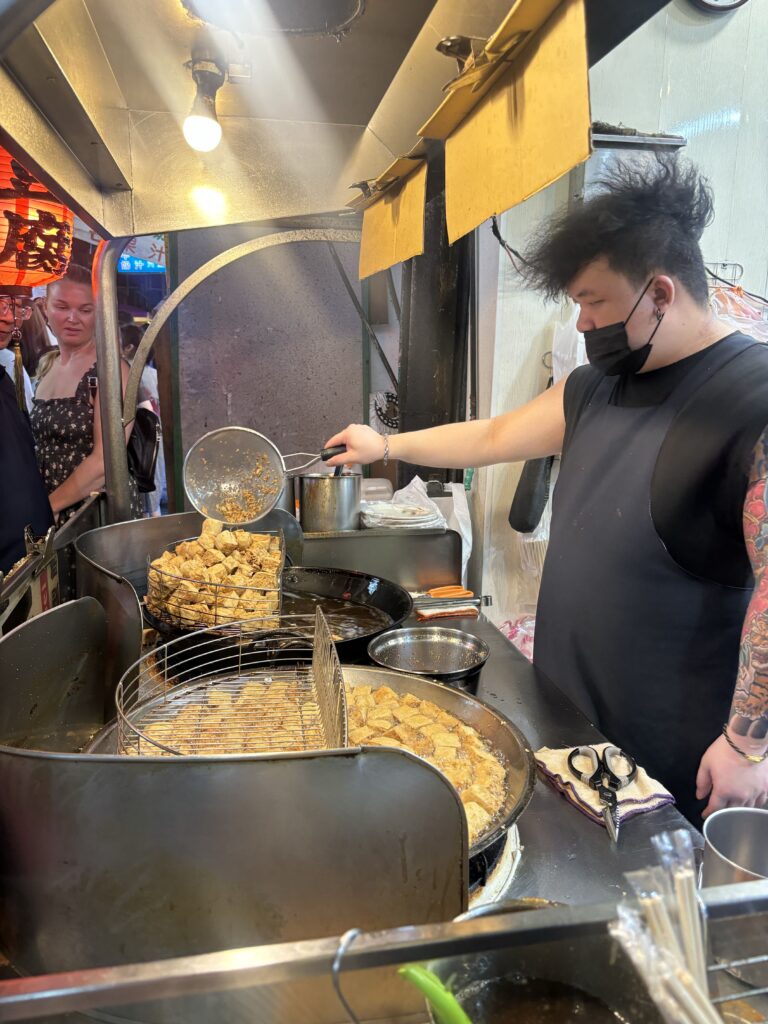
63 429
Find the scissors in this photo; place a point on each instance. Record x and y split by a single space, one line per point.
605 776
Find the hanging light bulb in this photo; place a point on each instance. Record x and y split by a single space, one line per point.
201 126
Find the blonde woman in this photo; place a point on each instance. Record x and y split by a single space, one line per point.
65 411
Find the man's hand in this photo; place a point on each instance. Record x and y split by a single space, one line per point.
364 446
730 780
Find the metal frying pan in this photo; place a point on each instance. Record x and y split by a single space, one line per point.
235 474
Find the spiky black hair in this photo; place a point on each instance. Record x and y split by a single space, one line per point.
645 218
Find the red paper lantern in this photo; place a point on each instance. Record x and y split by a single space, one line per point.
35 229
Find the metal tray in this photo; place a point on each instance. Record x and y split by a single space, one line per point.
500 733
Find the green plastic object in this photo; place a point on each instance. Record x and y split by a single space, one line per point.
445 1006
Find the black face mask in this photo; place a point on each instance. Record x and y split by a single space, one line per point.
608 348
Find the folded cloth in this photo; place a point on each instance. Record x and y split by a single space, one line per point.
641 795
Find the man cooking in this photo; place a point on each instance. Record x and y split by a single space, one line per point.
652 610
23 498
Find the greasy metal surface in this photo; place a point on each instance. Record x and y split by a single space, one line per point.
566 857
52 693
116 860
108 363
416 559
88 100
314 115
329 502
503 735
279 965
430 651
223 259
15 15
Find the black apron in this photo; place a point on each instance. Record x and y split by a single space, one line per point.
648 651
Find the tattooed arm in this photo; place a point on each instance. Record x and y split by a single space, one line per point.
724 775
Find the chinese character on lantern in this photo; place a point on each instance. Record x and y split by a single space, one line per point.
35 229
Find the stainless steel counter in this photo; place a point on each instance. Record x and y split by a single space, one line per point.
566 856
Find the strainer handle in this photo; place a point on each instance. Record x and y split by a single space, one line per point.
325 454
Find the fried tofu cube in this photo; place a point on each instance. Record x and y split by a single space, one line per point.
419 722
243 539
447 720
403 733
403 713
217 572
378 724
478 820
212 527
481 795
458 773
446 739
226 542
444 753
361 734
384 693
211 557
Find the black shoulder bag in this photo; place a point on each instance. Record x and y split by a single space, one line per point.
143 444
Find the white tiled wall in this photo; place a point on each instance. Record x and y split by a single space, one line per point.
684 72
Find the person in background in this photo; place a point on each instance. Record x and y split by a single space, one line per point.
65 416
149 394
653 609
14 315
23 497
35 339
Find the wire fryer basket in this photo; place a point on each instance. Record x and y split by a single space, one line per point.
239 586
270 685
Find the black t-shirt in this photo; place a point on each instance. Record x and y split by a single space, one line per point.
23 498
702 473
640 390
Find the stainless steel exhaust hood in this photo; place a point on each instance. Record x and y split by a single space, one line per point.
94 92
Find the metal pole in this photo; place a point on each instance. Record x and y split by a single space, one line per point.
110 382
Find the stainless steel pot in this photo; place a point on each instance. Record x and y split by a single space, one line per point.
736 846
736 850
329 503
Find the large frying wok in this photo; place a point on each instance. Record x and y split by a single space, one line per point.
358 606
375 604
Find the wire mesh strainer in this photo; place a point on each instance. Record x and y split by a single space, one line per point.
236 474
253 690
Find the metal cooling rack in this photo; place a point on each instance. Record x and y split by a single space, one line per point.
264 685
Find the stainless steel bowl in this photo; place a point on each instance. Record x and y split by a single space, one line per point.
434 651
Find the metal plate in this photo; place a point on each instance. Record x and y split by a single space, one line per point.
502 735
429 651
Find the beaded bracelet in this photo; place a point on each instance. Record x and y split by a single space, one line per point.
386 449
